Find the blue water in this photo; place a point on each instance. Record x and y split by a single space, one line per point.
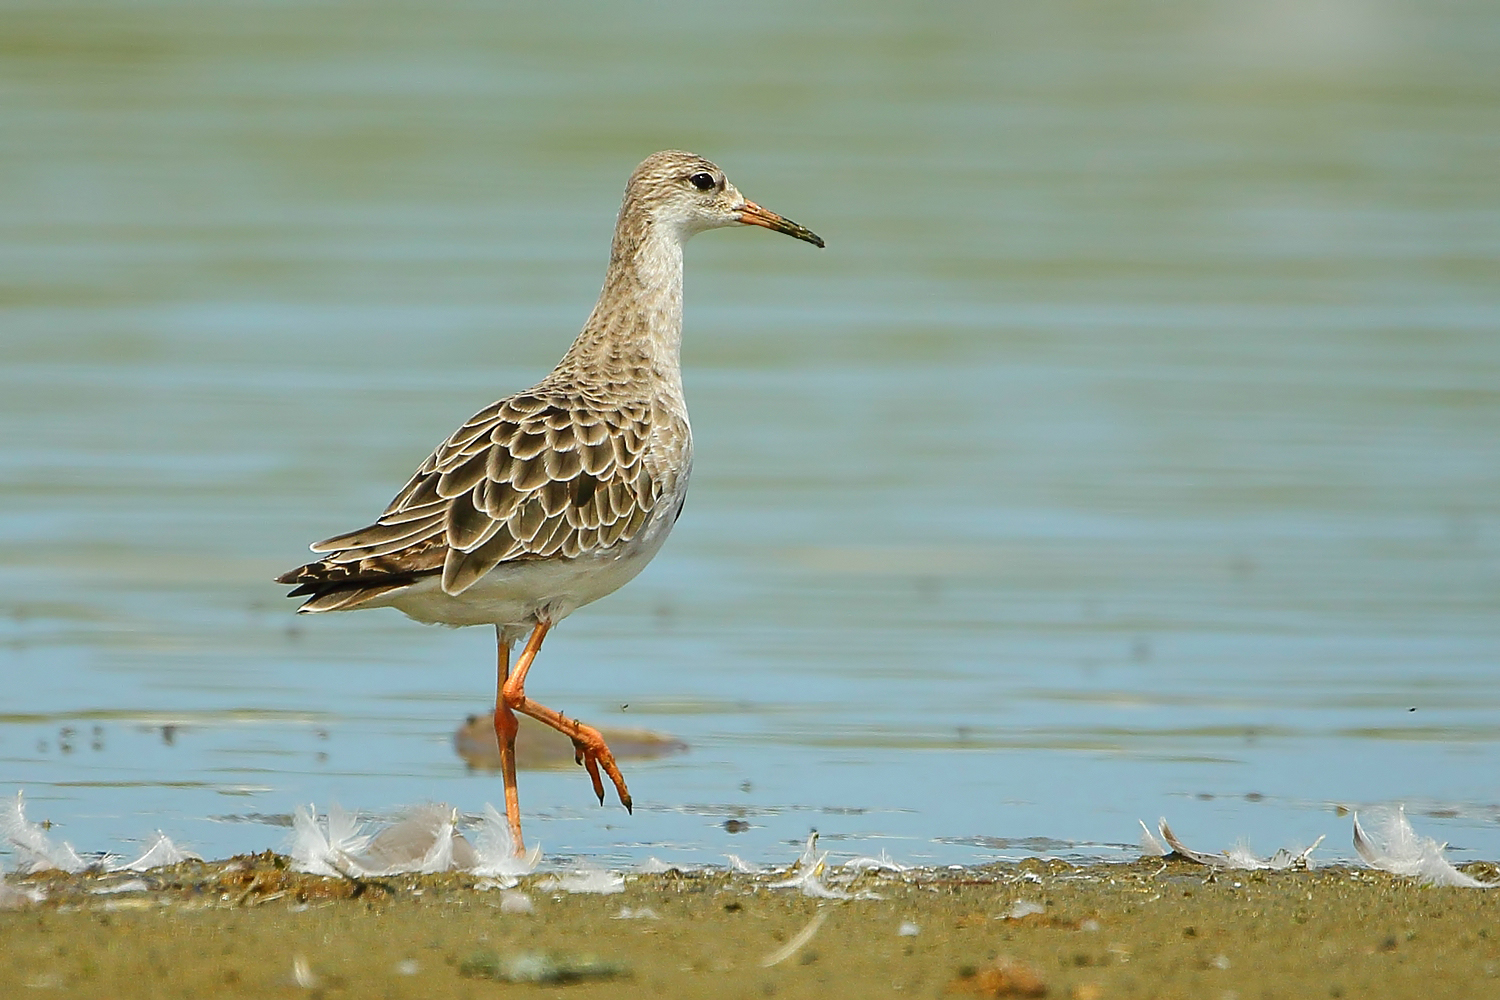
1131 450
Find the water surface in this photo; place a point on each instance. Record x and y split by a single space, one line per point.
1130 451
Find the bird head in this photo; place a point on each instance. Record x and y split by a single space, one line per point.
684 194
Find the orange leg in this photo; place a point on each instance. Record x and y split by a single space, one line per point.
505 735
590 748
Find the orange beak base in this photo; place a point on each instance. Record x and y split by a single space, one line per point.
753 215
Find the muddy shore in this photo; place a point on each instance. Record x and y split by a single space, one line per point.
251 927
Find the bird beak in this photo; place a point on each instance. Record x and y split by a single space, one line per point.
753 215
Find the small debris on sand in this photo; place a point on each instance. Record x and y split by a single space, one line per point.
1004 977
539 967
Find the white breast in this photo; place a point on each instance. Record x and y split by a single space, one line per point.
515 593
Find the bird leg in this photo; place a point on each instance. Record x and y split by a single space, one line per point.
505 735
589 747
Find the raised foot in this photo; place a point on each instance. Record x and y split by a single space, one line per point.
590 750
589 747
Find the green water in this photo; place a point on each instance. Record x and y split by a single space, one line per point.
1131 450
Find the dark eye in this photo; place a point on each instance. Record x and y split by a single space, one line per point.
702 181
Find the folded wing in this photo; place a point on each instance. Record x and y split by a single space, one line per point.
536 475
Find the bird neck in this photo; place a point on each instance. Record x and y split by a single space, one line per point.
634 334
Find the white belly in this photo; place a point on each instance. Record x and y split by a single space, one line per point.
517 593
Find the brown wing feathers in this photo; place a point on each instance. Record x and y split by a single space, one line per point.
534 475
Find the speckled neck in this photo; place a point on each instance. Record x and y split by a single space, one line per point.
634 334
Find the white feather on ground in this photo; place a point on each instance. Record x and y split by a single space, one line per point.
1023 908
160 854
801 938
335 849
1398 849
884 863
806 876
425 840
496 850
35 851
1238 858
515 903
15 897
1151 845
586 880
805 872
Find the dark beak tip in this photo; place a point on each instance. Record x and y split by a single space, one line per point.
806 236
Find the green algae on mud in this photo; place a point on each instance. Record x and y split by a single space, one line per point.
252 927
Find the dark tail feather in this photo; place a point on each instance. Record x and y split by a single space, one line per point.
341 598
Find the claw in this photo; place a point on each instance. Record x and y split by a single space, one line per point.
616 778
583 757
593 770
589 748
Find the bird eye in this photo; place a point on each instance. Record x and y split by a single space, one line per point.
702 181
